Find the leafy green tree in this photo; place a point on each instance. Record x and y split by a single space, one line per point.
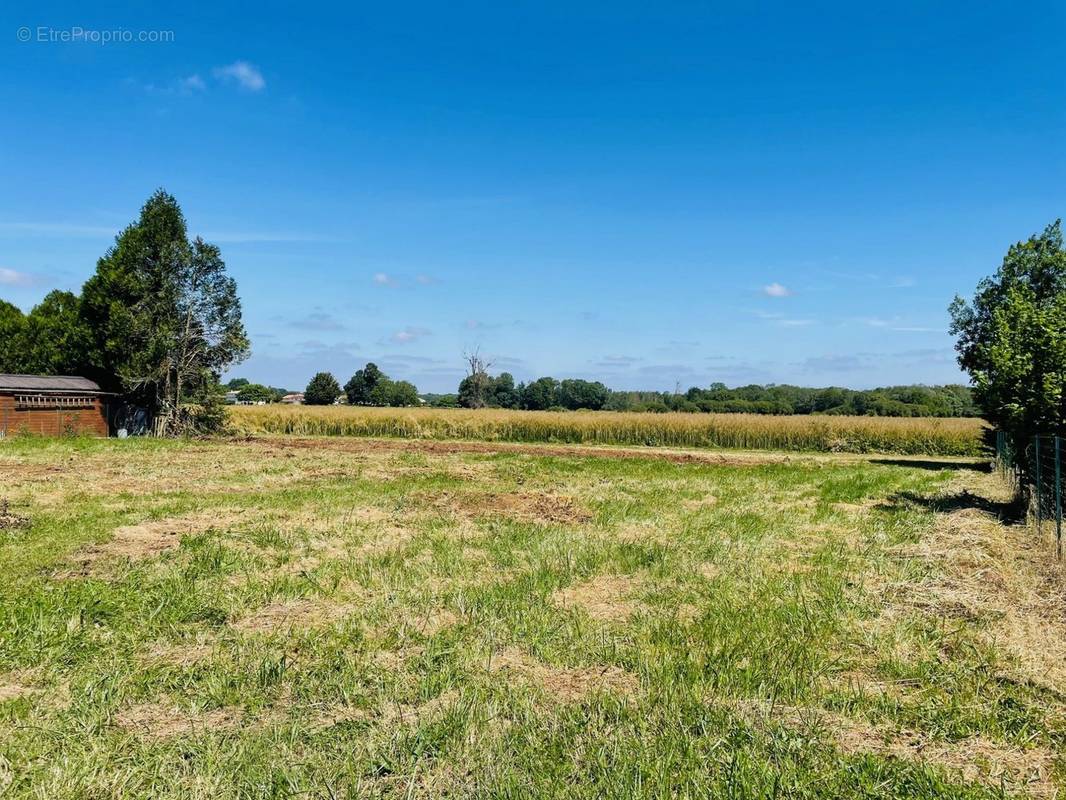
503 392
381 395
256 393
323 390
394 393
237 383
164 315
448 400
405 393
54 339
540 394
12 323
575 394
362 384
1012 339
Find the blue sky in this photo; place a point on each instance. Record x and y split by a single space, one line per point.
638 193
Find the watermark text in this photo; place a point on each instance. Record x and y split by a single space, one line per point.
46 34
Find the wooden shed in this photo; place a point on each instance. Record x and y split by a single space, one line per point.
52 406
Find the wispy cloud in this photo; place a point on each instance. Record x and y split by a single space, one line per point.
409 334
875 279
896 324
12 277
191 83
317 321
244 74
780 319
777 290
393 280
617 362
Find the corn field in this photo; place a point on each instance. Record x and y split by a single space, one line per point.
905 436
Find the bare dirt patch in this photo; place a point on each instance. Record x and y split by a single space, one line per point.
606 597
9 520
392 714
291 614
561 451
183 654
13 691
709 570
700 503
524 506
149 539
436 621
158 721
975 759
563 684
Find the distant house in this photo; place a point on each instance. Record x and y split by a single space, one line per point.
231 397
293 398
52 405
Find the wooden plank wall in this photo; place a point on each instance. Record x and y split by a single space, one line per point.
52 421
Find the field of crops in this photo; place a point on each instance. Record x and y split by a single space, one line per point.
917 436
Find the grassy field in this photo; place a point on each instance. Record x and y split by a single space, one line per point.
340 618
928 436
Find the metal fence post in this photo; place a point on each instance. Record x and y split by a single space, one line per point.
1036 445
1058 497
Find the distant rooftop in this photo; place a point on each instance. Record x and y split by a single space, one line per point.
47 383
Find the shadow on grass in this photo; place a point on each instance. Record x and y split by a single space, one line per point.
1009 511
934 464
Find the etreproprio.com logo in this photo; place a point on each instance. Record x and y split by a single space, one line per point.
46 34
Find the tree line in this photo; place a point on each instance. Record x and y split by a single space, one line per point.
369 386
573 394
159 321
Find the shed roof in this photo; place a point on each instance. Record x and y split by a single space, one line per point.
47 383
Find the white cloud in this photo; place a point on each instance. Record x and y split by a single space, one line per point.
897 324
11 277
193 83
402 281
246 75
409 334
318 320
781 319
776 290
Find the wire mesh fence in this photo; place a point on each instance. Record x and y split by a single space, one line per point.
1037 473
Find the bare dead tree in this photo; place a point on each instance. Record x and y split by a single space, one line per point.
477 378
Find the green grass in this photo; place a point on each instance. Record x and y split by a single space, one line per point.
431 654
